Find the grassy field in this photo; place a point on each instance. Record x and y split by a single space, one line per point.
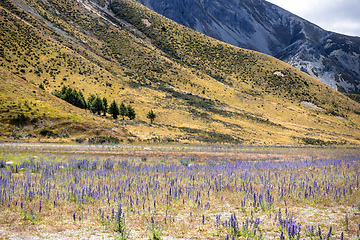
178 191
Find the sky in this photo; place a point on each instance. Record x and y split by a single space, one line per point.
341 16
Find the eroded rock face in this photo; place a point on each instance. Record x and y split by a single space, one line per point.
259 25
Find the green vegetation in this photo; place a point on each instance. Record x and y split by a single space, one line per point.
105 105
123 110
154 230
96 105
72 96
130 112
151 116
114 110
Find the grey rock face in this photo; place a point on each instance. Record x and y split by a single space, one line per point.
259 25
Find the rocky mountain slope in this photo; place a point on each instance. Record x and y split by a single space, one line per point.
201 89
259 25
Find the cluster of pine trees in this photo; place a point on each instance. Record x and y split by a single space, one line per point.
95 104
72 96
122 110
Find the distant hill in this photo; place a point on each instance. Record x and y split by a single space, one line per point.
259 25
201 90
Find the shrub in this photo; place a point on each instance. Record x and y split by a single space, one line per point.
20 118
41 86
2 164
103 139
46 133
80 140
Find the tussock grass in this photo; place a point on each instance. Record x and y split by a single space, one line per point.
201 90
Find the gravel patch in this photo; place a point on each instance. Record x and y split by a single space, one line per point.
311 105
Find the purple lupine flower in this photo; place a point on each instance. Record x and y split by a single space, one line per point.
329 234
217 221
282 236
257 222
319 232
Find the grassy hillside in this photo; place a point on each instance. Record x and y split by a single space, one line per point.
202 90
26 110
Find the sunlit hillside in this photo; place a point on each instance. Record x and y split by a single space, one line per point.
201 90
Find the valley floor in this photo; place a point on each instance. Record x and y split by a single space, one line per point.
174 191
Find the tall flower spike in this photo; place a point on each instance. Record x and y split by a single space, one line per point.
329 234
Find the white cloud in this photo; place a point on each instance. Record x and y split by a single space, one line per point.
340 16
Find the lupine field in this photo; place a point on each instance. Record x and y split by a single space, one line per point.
202 193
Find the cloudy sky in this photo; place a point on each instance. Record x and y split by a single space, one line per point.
341 16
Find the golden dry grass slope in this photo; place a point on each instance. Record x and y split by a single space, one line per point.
201 90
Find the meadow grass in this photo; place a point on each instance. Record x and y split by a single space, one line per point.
187 192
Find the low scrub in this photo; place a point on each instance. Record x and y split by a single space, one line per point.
104 140
319 142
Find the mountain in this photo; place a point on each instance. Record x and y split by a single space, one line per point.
259 25
202 90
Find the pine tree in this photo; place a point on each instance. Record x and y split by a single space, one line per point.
105 104
71 96
130 112
41 86
91 99
68 95
123 110
82 100
151 115
63 90
114 110
97 106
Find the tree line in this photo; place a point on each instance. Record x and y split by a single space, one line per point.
95 104
122 110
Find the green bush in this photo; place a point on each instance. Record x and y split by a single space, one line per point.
21 118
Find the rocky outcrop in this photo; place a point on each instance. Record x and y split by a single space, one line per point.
259 25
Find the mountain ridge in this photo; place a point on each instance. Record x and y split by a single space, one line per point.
265 27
